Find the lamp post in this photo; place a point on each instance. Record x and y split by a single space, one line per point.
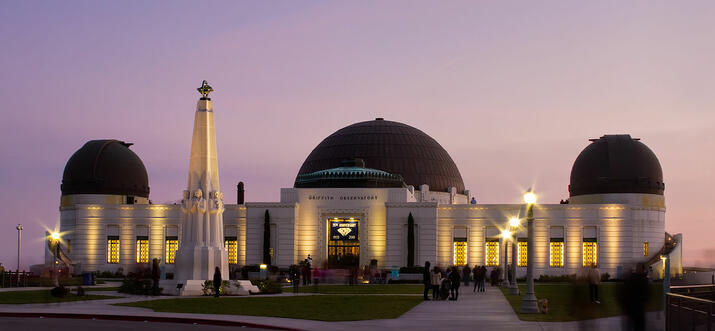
529 304
56 242
505 234
514 224
19 232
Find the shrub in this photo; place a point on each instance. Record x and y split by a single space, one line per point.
80 291
59 291
136 286
559 278
251 268
208 287
605 277
169 275
267 286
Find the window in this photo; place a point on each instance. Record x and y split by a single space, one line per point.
556 256
590 246
113 249
522 250
556 247
460 253
172 244
231 245
492 250
459 250
590 258
645 248
142 249
130 200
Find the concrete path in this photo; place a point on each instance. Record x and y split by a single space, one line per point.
488 310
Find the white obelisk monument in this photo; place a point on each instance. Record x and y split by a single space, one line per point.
201 247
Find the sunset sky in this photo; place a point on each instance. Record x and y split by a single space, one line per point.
512 90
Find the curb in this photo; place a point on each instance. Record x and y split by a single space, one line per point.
135 318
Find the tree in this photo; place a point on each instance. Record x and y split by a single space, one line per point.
267 238
410 241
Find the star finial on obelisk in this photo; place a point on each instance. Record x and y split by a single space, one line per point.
205 89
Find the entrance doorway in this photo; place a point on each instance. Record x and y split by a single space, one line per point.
343 243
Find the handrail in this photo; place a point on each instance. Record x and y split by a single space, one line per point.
690 298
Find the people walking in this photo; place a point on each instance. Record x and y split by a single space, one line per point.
294 277
594 279
483 273
426 279
466 274
479 274
435 279
454 279
217 282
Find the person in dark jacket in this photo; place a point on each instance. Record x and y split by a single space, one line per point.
155 275
217 281
454 280
426 279
466 274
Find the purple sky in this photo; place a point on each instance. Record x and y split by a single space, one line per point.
512 92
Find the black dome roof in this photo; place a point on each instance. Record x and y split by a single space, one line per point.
389 146
105 167
616 164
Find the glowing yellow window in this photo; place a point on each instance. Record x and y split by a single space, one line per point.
113 249
492 256
556 256
142 250
460 253
590 257
645 248
172 244
522 250
231 245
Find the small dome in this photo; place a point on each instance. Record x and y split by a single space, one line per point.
351 173
105 167
393 147
616 164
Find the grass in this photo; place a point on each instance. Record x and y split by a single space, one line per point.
362 289
312 307
43 296
569 302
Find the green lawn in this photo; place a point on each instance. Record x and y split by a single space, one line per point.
313 307
568 302
362 289
43 296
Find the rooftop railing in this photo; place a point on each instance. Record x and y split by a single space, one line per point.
690 308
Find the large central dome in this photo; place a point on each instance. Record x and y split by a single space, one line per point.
392 147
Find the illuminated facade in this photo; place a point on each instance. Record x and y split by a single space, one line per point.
349 212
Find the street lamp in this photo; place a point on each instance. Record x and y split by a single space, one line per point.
55 236
529 304
505 234
19 231
514 222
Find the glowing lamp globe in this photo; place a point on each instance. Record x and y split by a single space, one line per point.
55 235
506 234
514 222
529 197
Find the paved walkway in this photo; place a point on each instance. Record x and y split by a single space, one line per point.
488 310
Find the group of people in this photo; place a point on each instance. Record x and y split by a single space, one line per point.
305 272
444 284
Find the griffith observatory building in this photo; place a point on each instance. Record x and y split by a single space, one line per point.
350 206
